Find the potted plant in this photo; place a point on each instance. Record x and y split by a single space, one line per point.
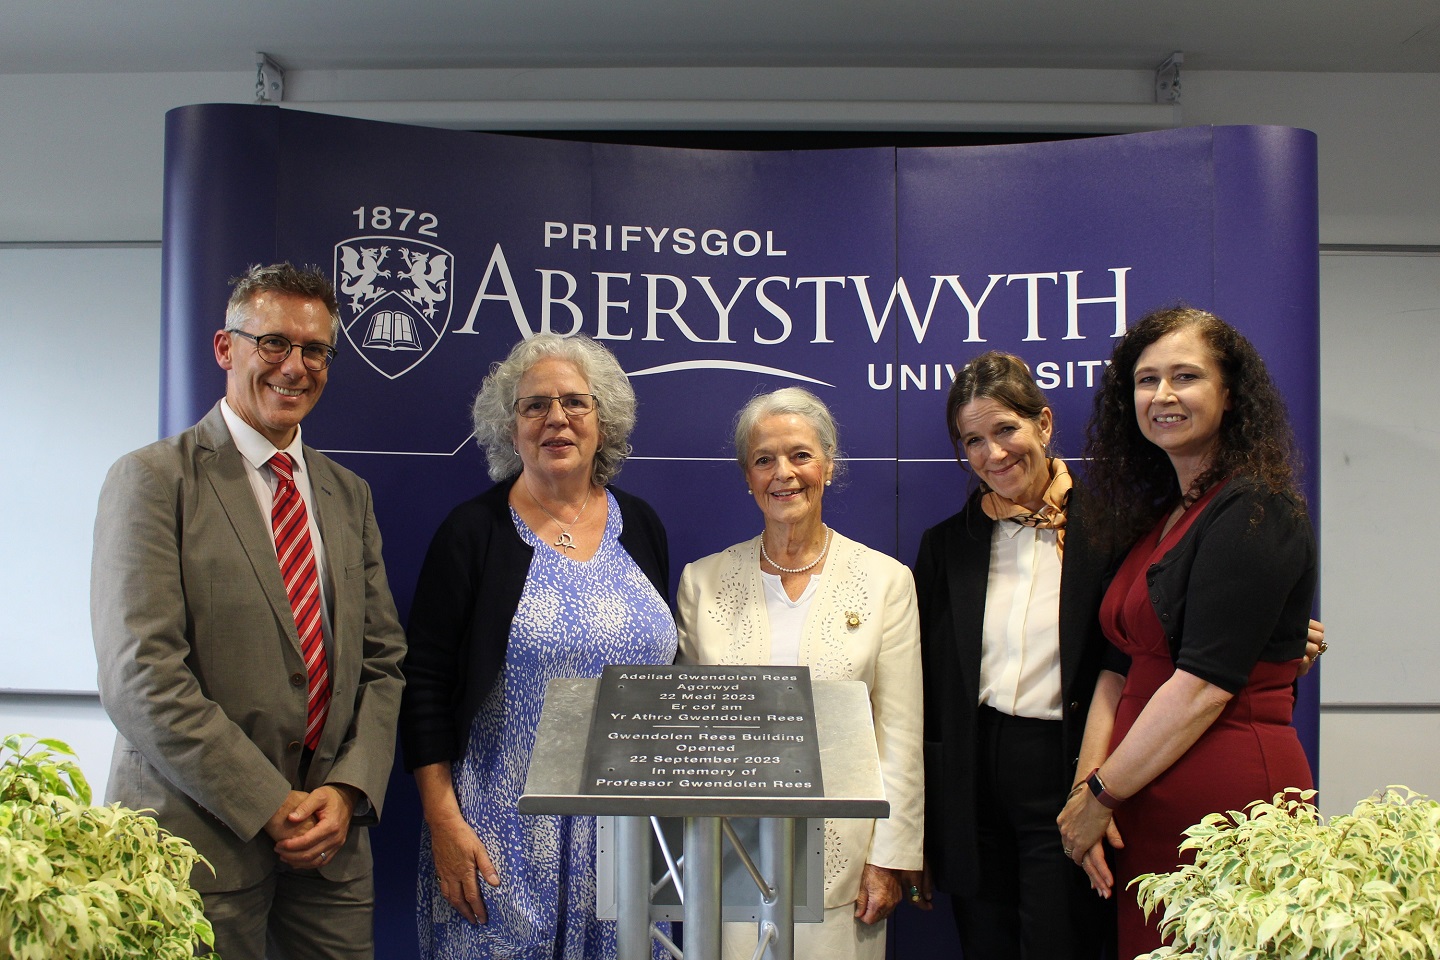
1279 882
79 881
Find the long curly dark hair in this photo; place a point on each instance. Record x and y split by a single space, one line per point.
1134 479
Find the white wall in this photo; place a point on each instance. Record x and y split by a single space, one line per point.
80 224
1379 140
82 158
83 163
99 324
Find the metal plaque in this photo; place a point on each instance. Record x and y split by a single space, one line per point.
691 731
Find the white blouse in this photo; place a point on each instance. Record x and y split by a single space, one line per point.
1020 653
787 618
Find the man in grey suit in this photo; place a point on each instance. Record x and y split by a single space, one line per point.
266 745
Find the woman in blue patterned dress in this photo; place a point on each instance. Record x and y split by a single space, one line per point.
550 573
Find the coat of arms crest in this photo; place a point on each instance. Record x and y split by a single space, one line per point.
394 295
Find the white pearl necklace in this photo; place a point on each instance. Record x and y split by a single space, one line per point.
807 566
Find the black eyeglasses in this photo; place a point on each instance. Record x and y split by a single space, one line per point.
274 348
571 404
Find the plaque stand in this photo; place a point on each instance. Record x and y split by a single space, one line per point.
853 788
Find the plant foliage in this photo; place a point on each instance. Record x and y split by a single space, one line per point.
1278 882
80 882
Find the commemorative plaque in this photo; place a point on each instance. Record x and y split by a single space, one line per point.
742 732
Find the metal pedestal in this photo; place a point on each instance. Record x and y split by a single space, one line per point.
853 788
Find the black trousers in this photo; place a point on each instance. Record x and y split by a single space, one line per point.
1033 902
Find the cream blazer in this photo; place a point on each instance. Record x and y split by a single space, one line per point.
723 621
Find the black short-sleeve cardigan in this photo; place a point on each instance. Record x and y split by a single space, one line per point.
1239 586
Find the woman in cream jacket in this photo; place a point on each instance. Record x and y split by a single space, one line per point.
802 594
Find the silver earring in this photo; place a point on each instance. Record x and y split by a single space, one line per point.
749 492
828 482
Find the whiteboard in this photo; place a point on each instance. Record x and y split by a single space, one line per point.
1379 476
80 366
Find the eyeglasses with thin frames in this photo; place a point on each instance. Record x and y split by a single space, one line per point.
573 405
273 348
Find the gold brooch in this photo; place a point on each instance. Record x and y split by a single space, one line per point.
852 619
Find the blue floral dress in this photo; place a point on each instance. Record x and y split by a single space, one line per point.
574 618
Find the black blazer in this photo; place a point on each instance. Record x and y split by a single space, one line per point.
951 575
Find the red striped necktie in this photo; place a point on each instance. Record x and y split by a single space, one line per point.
302 586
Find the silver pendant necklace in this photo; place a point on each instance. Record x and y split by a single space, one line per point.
807 566
564 541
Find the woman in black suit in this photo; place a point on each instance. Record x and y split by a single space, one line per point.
1008 591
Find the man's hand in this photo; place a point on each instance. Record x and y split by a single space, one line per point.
279 826
318 825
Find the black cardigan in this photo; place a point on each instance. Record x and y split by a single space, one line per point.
1237 588
466 597
951 576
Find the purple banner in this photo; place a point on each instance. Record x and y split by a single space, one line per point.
869 276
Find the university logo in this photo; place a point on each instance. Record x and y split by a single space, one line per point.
394 295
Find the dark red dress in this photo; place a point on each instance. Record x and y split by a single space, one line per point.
1249 753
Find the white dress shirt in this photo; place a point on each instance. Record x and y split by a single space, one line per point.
1020 654
256 450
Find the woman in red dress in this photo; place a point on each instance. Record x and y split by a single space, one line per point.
1191 452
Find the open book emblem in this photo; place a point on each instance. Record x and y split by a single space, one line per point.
394 295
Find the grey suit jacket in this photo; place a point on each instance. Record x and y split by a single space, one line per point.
200 665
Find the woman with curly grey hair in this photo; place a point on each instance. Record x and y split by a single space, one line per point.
550 573
494 413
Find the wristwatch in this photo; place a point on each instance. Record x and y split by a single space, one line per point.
1097 787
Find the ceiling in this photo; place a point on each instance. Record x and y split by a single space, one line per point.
108 36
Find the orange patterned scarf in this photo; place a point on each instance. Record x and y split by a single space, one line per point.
1051 516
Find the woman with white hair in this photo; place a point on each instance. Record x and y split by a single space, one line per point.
802 594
